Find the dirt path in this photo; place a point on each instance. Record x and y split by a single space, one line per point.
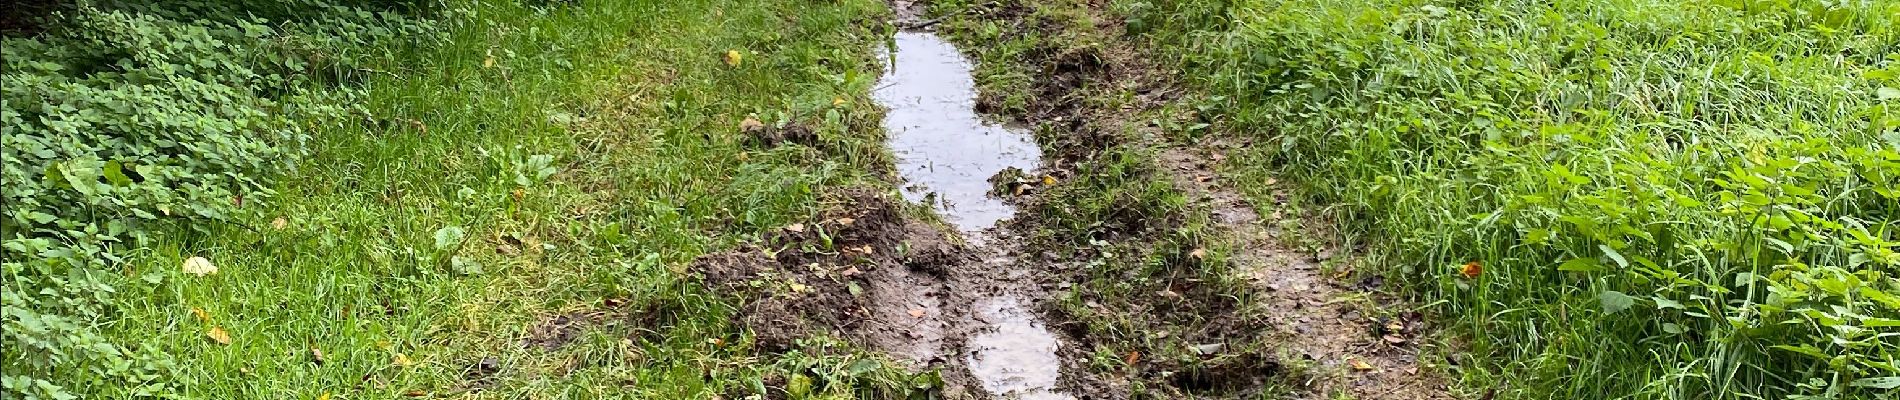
1317 324
976 297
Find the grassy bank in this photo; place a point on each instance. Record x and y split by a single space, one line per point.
502 207
1664 199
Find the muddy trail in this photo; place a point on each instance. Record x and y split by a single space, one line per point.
946 275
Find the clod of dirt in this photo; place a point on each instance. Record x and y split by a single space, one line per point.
859 273
763 136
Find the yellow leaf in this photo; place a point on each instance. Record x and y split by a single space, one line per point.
324 396
218 335
1048 180
199 266
280 223
402 360
733 58
1360 365
490 61
200 313
837 101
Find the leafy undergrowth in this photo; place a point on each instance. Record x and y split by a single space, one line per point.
493 198
1665 199
1144 285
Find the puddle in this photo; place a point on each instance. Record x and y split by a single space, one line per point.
1017 358
946 154
942 145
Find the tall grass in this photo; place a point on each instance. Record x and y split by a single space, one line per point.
1669 199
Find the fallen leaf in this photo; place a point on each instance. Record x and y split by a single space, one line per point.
853 271
324 396
1204 178
800 288
1198 253
489 62
1359 365
1271 181
1471 270
517 194
402 360
415 393
1048 180
1132 358
866 249
751 124
799 228
200 313
917 312
280 223
1394 325
846 221
245 370
837 101
1393 339
316 355
733 58
199 266
218 335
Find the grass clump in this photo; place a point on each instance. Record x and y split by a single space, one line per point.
1668 199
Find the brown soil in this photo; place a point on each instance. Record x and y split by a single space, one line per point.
880 281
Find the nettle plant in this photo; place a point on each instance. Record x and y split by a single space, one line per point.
122 123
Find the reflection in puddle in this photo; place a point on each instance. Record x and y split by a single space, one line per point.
946 154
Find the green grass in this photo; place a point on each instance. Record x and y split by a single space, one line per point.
1670 199
587 151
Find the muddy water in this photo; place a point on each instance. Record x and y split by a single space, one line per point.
946 154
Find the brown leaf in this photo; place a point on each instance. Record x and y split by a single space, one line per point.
219 336
316 355
1198 253
847 221
1359 365
1393 339
917 312
796 228
1204 178
415 393
1132 358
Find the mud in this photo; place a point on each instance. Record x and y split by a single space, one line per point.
1356 351
877 280
947 156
